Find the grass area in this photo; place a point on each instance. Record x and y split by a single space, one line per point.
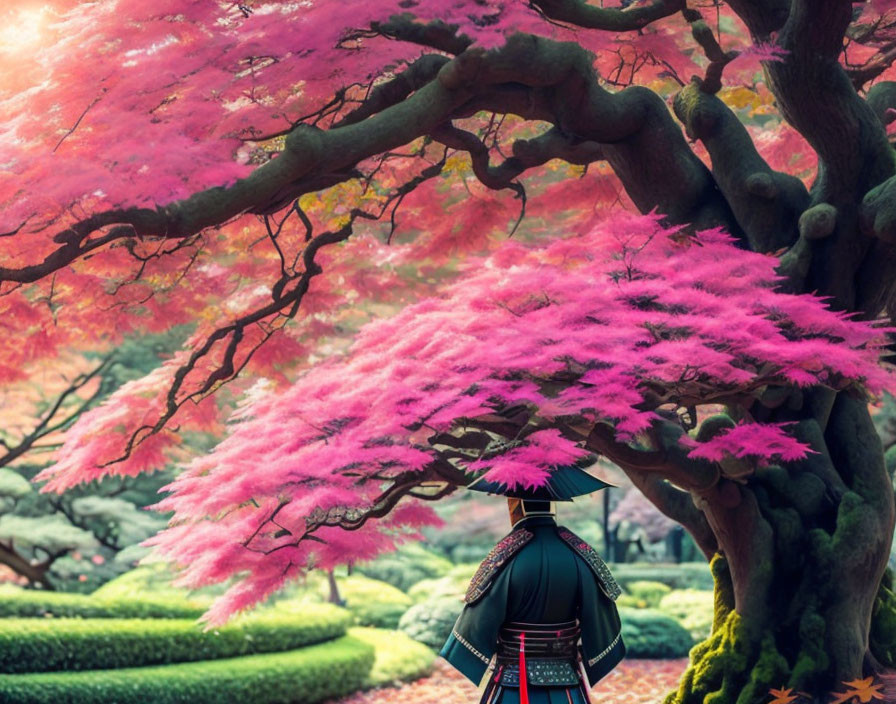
399 658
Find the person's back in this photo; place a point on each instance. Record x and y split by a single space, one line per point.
543 577
538 611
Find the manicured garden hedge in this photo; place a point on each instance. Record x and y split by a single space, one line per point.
651 634
430 621
692 608
39 645
311 674
647 593
26 603
686 575
372 602
407 566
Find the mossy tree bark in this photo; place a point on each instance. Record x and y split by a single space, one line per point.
799 572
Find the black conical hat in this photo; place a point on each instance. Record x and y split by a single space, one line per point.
563 484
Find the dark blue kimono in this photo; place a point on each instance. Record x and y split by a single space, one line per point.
540 573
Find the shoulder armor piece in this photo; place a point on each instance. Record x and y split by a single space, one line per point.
492 564
607 584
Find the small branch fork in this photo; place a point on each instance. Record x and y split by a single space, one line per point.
52 419
287 294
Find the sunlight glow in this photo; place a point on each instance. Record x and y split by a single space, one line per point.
22 29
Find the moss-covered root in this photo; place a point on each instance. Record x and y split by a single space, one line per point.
730 667
733 665
882 637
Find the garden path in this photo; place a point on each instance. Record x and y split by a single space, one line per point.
632 682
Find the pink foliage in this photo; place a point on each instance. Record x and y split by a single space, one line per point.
603 324
624 304
756 440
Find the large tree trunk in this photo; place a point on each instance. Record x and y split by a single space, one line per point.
800 571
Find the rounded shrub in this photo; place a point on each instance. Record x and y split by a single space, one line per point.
308 675
154 579
372 602
630 601
405 567
431 621
649 633
692 608
685 575
647 593
33 645
454 584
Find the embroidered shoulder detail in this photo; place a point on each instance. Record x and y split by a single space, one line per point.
589 554
492 564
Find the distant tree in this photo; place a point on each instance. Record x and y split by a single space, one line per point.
81 538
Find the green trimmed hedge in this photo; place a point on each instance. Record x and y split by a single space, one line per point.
431 621
405 567
28 603
454 583
692 608
35 645
648 633
304 676
372 602
685 575
648 592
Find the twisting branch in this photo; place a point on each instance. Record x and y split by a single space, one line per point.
435 34
766 203
45 426
677 505
718 59
287 294
668 462
393 91
527 153
434 482
284 308
581 14
531 76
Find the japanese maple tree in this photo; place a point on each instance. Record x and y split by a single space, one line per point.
662 232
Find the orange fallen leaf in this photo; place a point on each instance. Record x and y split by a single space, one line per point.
862 689
782 696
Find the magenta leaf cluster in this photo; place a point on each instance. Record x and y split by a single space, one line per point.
606 326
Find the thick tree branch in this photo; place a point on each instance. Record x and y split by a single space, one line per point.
677 505
392 92
526 153
875 66
35 573
817 97
766 203
670 462
435 34
533 76
718 59
581 14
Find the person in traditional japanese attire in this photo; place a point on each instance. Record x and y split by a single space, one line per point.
540 623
